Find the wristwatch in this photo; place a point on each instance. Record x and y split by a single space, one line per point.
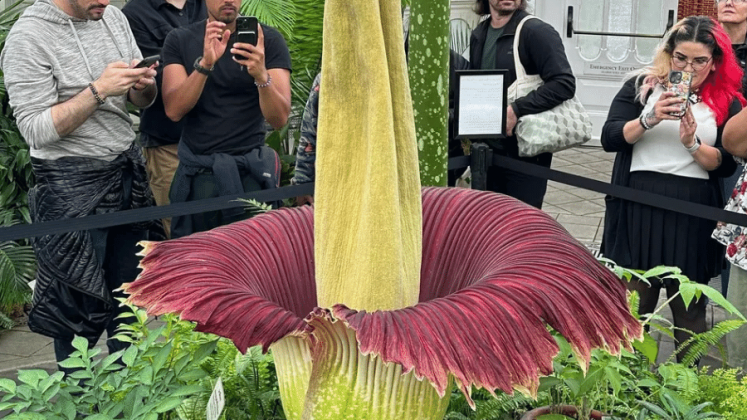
200 69
695 146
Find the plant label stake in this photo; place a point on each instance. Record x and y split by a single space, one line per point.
216 402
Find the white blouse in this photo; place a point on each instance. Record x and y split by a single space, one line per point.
660 149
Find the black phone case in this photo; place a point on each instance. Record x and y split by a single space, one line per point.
246 31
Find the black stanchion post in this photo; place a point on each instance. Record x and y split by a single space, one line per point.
481 157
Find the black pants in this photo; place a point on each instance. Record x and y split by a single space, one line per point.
116 248
526 188
692 318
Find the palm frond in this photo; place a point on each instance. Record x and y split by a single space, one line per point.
17 269
280 14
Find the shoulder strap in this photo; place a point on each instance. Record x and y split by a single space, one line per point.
520 72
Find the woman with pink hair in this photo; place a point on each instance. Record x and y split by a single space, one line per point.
662 151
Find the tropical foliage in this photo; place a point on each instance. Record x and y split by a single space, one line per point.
300 22
168 373
726 389
17 263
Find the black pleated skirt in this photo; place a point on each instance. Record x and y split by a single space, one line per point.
663 237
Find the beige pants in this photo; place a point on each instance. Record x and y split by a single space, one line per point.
736 341
161 163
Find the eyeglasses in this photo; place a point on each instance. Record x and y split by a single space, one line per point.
733 1
698 64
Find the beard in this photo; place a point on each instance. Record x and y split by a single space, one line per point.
505 10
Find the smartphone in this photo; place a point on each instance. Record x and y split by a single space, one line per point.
147 61
679 83
246 31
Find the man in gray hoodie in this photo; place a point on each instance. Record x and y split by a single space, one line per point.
69 68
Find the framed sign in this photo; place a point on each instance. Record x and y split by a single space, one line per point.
480 104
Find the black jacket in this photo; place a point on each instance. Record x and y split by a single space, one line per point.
741 53
625 107
74 294
541 52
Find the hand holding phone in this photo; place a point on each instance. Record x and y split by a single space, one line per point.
147 61
679 84
246 32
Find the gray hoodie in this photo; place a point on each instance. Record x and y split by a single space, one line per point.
50 57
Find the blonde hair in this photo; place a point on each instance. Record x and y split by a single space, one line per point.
698 29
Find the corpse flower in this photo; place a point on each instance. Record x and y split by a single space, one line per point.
488 283
381 298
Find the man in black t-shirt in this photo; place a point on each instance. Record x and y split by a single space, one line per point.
224 102
151 21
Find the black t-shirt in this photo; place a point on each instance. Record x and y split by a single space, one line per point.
227 117
151 21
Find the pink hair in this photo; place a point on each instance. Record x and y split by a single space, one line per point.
724 84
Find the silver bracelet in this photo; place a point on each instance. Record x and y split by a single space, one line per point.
265 84
644 123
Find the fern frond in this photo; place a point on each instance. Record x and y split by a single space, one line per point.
504 404
254 207
699 344
5 322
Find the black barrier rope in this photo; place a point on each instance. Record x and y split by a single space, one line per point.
626 193
126 217
219 203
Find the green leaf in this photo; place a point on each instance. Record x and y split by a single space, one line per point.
68 410
193 375
649 348
110 359
181 362
613 375
688 292
26 416
548 382
128 358
574 384
647 383
146 375
32 376
591 380
8 385
552 417
661 271
73 363
168 404
162 356
81 344
51 392
187 390
99 417
204 350
717 297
